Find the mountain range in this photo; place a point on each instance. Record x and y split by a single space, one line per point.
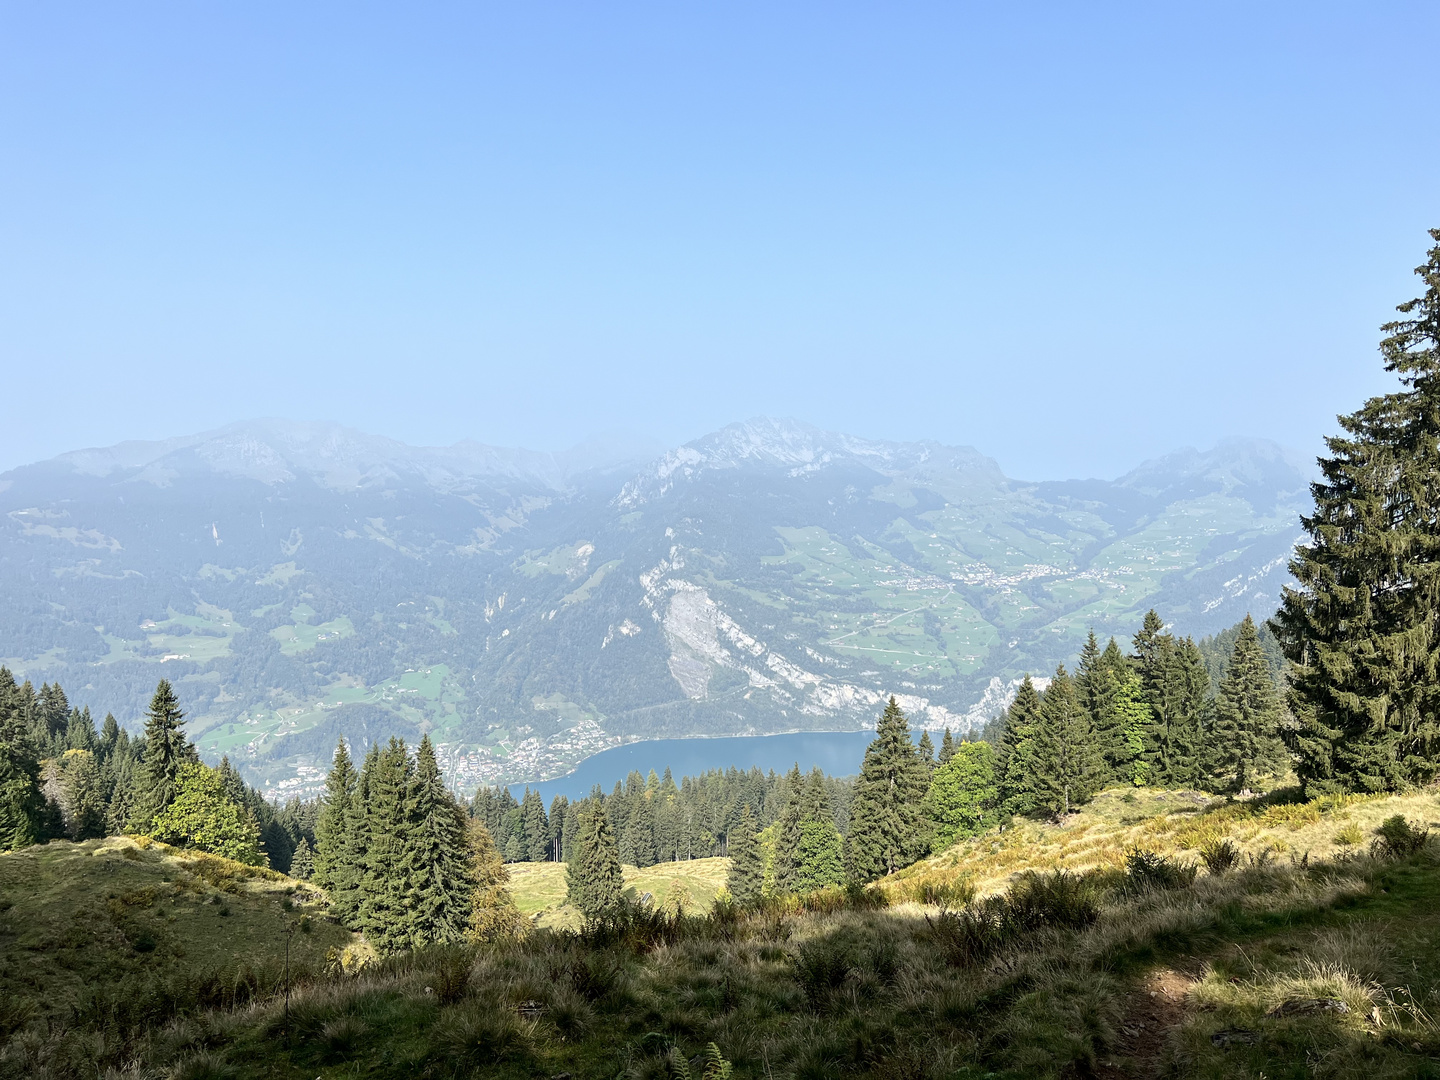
303 581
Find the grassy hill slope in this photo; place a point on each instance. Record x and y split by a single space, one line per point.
1280 966
1176 823
110 936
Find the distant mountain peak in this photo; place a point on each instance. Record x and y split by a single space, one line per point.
1232 464
797 447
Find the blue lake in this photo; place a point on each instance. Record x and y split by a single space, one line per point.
838 753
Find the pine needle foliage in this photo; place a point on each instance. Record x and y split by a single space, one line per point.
1244 740
747 869
21 807
887 813
436 864
167 750
1068 765
592 876
1016 764
330 826
383 913
1359 627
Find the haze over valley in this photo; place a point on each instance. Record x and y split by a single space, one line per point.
303 581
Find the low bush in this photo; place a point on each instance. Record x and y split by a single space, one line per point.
634 926
1396 838
341 1037
946 894
1146 871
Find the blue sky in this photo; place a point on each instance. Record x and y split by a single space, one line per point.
1071 235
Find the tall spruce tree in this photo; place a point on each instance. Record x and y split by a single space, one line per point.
383 912
926 749
1244 740
302 866
78 790
21 806
1096 684
1176 687
559 807
947 747
1147 647
167 751
1360 628
1069 768
747 870
347 867
437 861
887 827
785 863
330 841
1015 760
592 877
535 826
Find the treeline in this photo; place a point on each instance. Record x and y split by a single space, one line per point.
61 778
654 819
1148 717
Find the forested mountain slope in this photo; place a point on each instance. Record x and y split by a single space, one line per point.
302 581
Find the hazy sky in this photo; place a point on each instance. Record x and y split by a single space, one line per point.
1072 235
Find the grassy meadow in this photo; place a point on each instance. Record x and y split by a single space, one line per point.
1307 950
539 887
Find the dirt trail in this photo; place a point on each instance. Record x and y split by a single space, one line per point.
1154 1008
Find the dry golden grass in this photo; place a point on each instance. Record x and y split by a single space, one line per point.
1176 823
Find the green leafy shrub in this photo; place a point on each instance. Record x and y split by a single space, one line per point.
1146 870
203 816
1396 838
